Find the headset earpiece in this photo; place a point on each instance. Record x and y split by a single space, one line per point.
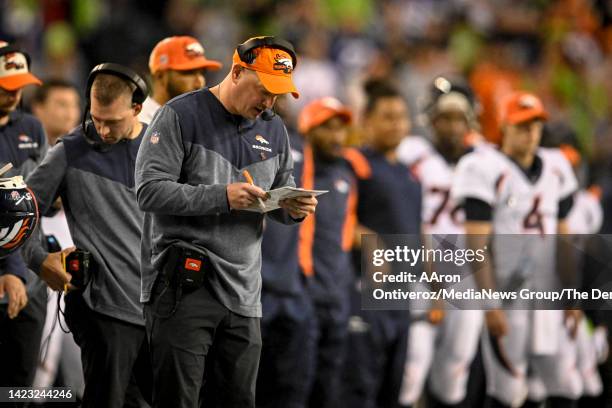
249 57
246 50
140 92
139 95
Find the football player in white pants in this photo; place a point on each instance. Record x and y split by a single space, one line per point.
586 217
589 345
441 349
521 194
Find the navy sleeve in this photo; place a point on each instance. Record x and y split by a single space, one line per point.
45 182
15 265
158 167
284 177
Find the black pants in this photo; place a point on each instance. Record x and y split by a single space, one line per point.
20 340
201 339
376 355
331 333
286 366
115 357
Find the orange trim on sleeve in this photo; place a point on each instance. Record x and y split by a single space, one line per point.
571 154
595 191
350 218
358 162
307 227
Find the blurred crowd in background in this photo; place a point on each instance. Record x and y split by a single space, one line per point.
560 49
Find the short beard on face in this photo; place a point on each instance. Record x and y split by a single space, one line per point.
5 110
173 90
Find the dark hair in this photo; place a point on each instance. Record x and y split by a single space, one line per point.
376 89
557 133
42 92
107 88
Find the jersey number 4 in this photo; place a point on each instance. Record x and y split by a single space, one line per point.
533 220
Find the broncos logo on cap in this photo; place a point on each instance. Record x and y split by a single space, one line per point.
528 101
194 50
283 64
12 64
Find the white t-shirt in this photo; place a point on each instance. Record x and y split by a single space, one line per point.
58 226
149 107
586 215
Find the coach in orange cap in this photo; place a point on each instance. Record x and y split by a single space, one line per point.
177 65
205 163
273 66
325 241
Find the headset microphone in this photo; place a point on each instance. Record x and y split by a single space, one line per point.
267 114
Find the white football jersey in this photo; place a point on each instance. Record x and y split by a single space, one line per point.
519 206
524 214
586 215
440 214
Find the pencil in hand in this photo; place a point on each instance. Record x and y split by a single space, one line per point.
249 179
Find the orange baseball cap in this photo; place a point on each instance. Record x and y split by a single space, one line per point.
14 70
521 107
321 110
274 68
180 53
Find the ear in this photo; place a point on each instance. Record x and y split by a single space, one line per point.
36 109
237 72
137 107
161 77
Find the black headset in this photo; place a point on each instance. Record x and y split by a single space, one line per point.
138 96
246 54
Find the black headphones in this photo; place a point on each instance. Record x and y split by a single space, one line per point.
246 54
141 91
138 96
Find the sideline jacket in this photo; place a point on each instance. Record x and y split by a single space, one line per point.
280 270
98 194
326 238
389 196
192 150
